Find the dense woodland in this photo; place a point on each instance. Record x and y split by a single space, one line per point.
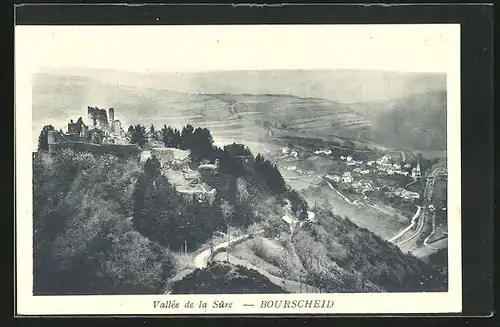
83 241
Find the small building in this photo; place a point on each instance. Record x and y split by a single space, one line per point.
415 173
370 163
367 185
347 177
399 191
357 185
335 178
384 160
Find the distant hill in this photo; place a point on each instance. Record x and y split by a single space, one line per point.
416 122
343 85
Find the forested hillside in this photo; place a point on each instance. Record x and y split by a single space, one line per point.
104 225
334 244
84 242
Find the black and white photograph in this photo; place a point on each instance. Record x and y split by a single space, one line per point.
238 169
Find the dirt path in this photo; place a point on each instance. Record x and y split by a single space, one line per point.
202 259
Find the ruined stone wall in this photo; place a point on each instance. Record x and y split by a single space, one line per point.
99 116
118 150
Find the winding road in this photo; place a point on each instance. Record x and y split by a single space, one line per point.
422 213
413 220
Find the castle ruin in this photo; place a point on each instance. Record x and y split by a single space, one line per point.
99 138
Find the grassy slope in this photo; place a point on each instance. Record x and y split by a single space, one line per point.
334 241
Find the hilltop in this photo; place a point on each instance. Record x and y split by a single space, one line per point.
343 85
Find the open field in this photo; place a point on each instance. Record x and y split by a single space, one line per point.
381 221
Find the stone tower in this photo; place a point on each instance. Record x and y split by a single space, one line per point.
111 116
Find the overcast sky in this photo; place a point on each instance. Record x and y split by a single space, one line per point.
414 48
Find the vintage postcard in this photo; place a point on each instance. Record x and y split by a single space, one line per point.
258 169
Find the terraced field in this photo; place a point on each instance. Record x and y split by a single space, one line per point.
312 116
245 118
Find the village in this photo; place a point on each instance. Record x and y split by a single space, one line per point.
385 177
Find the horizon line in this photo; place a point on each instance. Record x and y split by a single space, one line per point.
152 71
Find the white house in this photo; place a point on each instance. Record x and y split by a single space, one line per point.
335 178
323 152
347 178
383 160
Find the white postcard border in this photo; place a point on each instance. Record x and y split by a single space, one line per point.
384 303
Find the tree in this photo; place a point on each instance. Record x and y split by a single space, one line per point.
138 135
227 211
43 141
152 167
152 132
186 137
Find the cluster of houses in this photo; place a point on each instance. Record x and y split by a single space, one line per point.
358 178
288 152
382 166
